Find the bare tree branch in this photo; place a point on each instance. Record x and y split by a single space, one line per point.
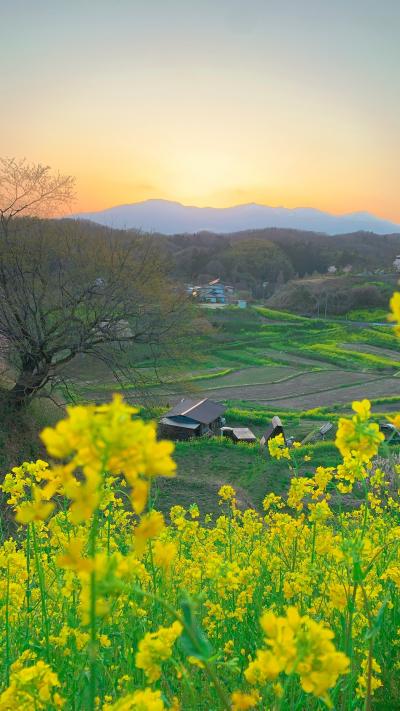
31 189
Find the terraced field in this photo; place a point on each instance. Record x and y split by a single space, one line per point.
309 390
272 362
375 350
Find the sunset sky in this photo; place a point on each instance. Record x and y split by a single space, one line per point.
208 102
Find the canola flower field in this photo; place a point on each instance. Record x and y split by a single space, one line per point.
105 606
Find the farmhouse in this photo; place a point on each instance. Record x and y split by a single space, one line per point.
212 293
192 418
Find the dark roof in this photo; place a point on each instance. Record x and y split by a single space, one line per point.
272 431
204 410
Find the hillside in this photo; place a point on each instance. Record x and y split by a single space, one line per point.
334 295
261 261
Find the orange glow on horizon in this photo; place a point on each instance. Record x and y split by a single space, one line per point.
208 104
97 196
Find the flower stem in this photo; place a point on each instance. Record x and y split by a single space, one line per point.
92 617
28 581
42 589
314 535
8 625
223 696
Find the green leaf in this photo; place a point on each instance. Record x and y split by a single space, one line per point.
358 575
375 629
193 640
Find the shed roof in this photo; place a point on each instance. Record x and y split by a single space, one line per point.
180 422
244 434
204 410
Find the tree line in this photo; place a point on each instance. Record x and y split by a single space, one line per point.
250 258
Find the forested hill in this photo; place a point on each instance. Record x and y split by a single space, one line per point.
272 253
250 258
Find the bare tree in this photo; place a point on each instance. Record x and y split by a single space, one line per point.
69 288
31 189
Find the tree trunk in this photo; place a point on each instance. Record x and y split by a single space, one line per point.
27 385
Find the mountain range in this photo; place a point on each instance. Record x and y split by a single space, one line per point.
170 217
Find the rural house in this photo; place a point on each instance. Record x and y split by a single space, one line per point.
192 418
213 293
216 293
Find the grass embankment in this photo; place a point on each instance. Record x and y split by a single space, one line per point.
204 465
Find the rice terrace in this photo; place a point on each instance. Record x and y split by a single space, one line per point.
200 356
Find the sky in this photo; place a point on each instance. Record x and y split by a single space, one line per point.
208 102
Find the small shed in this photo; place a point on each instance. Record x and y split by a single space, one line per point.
275 429
318 434
192 418
239 434
391 433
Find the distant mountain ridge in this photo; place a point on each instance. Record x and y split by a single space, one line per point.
170 218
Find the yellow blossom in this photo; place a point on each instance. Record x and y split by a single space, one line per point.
106 438
375 681
298 645
36 510
31 687
146 700
164 553
359 437
395 311
227 493
277 447
155 648
150 526
242 702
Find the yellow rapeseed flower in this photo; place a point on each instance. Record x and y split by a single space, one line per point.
150 526
35 510
277 448
298 645
375 682
227 493
242 702
155 648
140 700
164 553
358 437
395 311
106 438
31 687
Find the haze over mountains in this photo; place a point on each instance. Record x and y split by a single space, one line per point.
170 218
